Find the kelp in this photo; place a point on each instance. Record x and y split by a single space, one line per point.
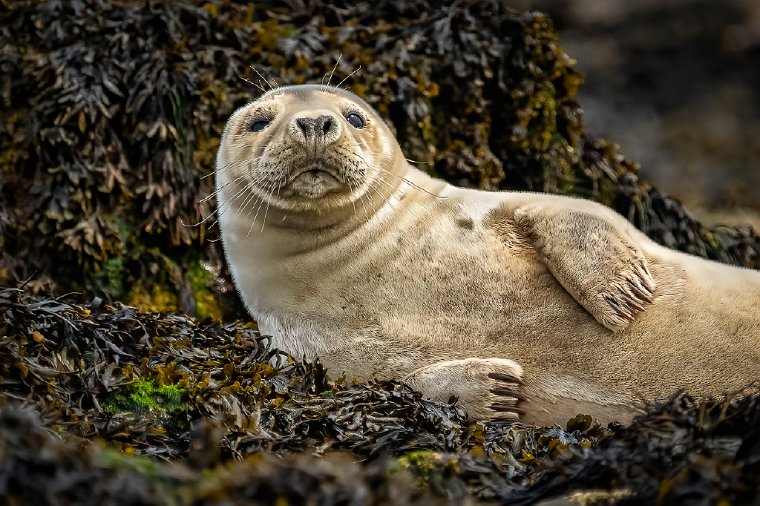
103 403
112 112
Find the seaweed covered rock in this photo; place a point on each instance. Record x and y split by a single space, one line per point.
112 111
106 404
38 468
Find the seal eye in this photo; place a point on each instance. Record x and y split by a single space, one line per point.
355 120
259 125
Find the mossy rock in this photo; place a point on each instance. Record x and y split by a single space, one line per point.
105 143
166 402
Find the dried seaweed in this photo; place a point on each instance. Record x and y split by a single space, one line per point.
111 114
106 404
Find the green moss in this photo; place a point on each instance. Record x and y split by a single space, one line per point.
119 462
144 396
159 298
711 240
200 279
420 463
137 467
608 190
184 142
110 277
549 114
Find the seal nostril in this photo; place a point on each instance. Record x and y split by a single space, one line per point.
324 125
305 125
318 128
327 126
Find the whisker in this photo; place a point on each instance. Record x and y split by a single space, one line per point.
220 210
252 196
383 197
250 200
258 209
412 184
265 79
240 191
216 192
404 179
253 84
388 192
333 70
364 205
232 164
266 210
407 181
266 190
227 205
353 201
349 75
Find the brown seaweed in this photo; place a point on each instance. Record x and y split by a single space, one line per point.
100 401
112 111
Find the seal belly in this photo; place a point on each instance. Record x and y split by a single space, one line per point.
463 289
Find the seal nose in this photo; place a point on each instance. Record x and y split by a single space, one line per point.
322 128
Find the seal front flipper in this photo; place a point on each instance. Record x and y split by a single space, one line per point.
488 388
592 257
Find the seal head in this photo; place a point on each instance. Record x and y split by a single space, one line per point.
307 151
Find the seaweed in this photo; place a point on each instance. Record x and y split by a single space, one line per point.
112 112
105 402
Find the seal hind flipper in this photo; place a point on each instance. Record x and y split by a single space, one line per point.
488 388
592 258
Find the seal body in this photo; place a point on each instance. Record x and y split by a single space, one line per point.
523 305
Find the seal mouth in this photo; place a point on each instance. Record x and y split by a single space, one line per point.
313 182
316 172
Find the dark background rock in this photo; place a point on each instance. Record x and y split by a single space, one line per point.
675 83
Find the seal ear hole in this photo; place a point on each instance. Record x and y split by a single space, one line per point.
355 119
258 125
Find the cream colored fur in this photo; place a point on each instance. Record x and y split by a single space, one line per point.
521 304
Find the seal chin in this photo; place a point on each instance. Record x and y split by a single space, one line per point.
314 183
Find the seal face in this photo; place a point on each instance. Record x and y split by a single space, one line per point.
523 305
306 149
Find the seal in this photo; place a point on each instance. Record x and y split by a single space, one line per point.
524 306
